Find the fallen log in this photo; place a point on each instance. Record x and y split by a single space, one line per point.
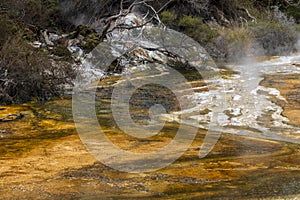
11 117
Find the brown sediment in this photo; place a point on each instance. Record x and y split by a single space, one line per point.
50 162
289 87
42 156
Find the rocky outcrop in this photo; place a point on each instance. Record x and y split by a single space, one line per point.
130 48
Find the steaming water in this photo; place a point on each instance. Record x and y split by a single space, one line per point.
247 168
247 107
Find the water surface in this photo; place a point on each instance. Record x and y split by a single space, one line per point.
257 156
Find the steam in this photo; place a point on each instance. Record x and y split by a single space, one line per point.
298 43
79 12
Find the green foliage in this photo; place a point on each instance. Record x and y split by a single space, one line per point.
27 73
52 11
91 37
238 41
62 51
84 30
294 11
168 18
7 29
297 28
275 38
91 41
238 35
29 35
190 22
41 13
195 28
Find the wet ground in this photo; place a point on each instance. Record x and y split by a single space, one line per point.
42 157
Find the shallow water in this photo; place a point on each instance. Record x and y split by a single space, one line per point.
251 109
257 156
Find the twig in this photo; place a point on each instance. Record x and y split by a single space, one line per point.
164 6
249 15
121 4
155 16
123 12
291 3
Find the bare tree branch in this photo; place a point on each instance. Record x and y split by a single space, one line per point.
121 4
292 3
249 15
164 6
109 21
154 16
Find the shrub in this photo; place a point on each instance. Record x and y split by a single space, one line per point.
40 13
91 41
62 51
26 72
195 28
294 11
238 41
274 38
91 37
168 18
297 28
6 30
